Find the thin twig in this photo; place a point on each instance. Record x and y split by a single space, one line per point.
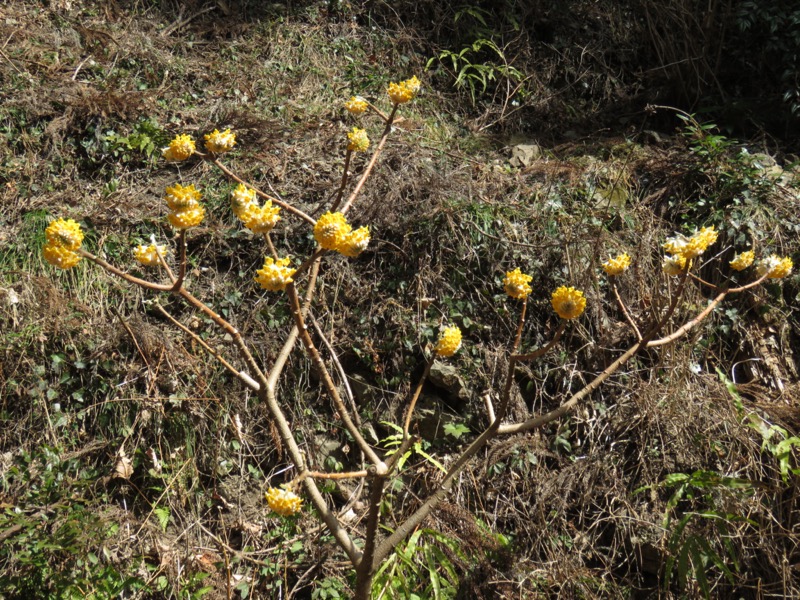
415 397
322 475
248 381
373 160
342 374
183 22
343 184
546 348
163 260
322 371
178 283
281 203
126 276
625 309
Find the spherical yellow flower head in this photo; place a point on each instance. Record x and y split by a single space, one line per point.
357 140
180 148
243 200
674 265
355 242
568 302
261 219
182 197
356 105
400 93
741 261
284 502
331 230
60 256
147 255
65 233
516 284
449 342
189 217
692 247
219 143
275 275
618 265
774 267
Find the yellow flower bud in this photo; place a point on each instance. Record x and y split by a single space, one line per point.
400 93
261 219
243 199
775 267
674 265
147 255
182 197
691 247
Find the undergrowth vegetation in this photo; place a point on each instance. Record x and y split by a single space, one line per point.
133 464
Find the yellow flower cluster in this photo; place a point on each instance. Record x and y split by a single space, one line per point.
261 219
258 219
568 302
741 261
148 255
618 265
516 284
357 140
331 229
449 342
180 197
243 199
284 502
180 148
775 267
275 275
691 247
184 202
355 242
356 105
64 238
673 265
219 143
683 250
333 232
400 93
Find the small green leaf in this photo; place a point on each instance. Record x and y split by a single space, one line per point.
162 514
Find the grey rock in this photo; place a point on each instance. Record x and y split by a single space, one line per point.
446 378
522 155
